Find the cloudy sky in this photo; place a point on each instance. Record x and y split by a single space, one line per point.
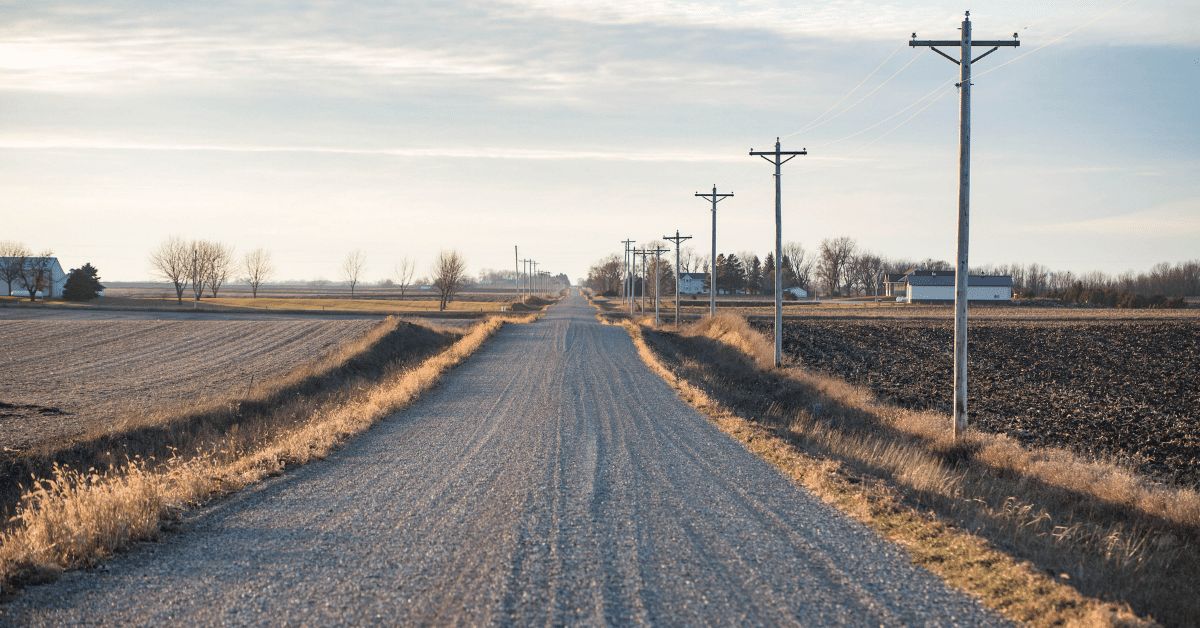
564 127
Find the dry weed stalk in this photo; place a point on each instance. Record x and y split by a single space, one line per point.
74 519
1009 524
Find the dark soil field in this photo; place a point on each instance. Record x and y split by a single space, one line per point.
1120 389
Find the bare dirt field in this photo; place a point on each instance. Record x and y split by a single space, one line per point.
64 374
1116 387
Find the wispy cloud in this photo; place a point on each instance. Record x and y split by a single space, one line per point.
470 153
1172 219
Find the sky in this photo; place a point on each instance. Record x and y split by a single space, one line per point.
563 127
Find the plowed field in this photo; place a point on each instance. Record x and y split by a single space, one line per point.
64 377
1118 389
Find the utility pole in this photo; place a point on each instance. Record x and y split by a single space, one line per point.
643 254
516 271
712 263
778 161
677 239
625 270
964 201
525 278
657 275
533 286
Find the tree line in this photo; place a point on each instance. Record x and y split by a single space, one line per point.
204 264
841 268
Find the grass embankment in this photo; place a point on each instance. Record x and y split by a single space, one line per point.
1039 535
157 466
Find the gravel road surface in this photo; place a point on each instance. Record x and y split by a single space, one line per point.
552 480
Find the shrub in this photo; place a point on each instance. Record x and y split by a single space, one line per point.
82 284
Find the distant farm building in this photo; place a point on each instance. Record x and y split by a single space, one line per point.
692 283
937 286
52 281
798 292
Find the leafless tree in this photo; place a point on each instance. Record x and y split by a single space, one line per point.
258 267
604 277
835 257
13 256
405 271
352 268
449 273
36 272
865 271
799 263
687 258
172 260
214 264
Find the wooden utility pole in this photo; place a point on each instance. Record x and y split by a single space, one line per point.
778 161
677 239
517 270
625 273
712 263
525 279
964 201
657 275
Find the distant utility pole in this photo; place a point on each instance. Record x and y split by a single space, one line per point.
712 263
625 272
964 201
517 271
677 239
657 275
643 254
778 161
525 278
533 286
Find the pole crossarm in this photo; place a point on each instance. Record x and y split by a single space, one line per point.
956 43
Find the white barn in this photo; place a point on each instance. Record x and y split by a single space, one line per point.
937 286
52 283
692 283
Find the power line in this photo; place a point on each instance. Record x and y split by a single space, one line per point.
779 161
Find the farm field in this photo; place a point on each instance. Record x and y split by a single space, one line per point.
1122 388
66 375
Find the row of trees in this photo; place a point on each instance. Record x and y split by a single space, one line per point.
840 267
206 264
18 265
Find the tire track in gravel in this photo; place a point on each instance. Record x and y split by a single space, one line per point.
551 480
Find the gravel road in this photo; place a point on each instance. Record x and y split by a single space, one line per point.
551 480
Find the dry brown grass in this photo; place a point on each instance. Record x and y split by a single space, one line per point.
73 518
1039 535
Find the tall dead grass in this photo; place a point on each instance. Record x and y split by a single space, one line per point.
72 518
1039 534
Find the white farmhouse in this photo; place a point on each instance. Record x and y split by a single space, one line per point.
52 281
937 286
692 283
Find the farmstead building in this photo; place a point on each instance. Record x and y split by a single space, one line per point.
45 272
937 286
692 283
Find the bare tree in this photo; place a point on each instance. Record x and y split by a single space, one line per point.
604 277
835 256
35 273
449 273
13 256
172 260
352 268
214 264
687 258
258 267
405 271
799 263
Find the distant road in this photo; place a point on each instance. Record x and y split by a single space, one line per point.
551 480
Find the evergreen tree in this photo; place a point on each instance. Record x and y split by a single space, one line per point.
83 284
754 276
